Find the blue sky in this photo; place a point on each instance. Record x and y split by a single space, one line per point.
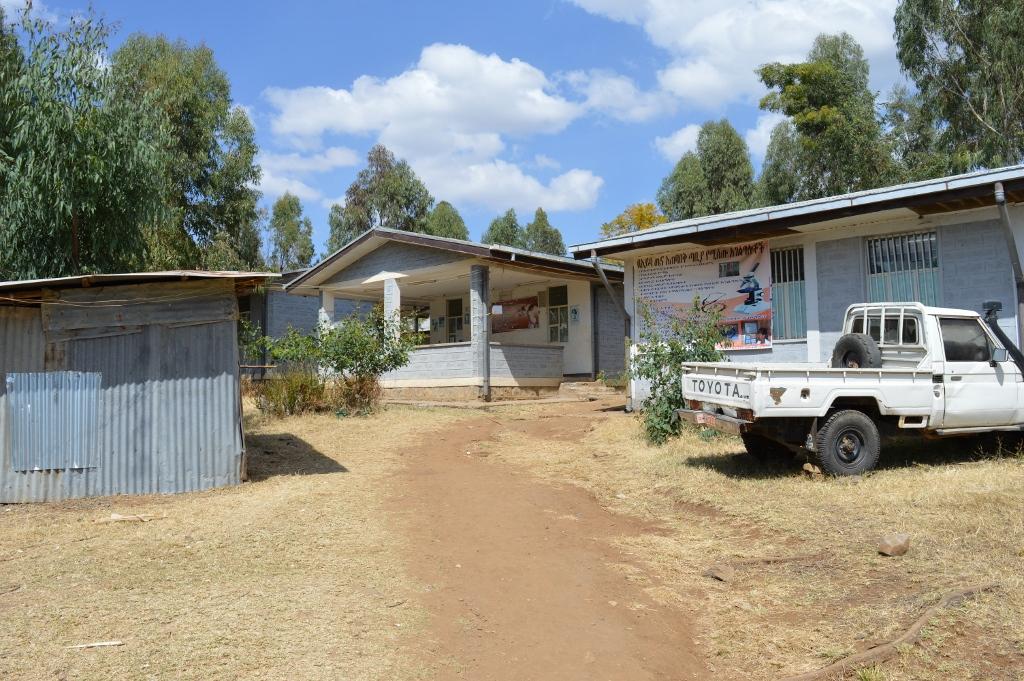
581 106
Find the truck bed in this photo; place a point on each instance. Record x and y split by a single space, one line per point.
806 389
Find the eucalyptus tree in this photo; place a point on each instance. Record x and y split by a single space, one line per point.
83 155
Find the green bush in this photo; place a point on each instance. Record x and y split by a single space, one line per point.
664 348
338 368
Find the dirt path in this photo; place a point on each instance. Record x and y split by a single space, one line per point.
523 582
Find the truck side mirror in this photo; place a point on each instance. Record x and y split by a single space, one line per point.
999 355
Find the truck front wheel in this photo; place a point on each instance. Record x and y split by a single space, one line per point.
848 443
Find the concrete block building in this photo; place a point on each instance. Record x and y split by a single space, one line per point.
493 320
784 275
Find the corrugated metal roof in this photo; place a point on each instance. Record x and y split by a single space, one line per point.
803 212
126 278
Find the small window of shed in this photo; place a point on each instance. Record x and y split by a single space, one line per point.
54 420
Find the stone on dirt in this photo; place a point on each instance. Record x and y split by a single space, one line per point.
894 545
811 470
723 573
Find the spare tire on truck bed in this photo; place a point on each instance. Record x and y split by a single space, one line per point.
856 351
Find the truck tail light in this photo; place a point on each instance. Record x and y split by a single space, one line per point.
696 405
745 414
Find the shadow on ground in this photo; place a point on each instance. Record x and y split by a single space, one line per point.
895 455
276 454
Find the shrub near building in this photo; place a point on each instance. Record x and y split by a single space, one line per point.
336 369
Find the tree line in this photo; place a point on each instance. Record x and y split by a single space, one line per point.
140 159
965 112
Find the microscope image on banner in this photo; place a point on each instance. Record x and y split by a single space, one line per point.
732 281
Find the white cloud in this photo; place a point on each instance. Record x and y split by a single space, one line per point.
329 159
498 184
715 45
760 135
546 162
451 86
449 116
678 143
273 186
13 8
618 96
328 202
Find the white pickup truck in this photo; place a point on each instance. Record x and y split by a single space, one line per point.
899 369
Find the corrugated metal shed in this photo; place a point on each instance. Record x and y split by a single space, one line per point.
168 414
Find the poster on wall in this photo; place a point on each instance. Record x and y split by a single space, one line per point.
734 281
521 313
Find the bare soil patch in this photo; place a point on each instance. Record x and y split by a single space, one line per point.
523 579
961 505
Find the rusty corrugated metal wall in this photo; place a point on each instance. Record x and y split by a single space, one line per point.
169 413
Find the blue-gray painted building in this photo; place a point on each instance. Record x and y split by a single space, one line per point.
120 384
949 242
490 318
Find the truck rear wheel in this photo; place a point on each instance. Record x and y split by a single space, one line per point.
763 448
848 443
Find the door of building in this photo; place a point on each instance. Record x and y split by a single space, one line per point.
454 329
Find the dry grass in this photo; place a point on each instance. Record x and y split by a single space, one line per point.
293 575
964 512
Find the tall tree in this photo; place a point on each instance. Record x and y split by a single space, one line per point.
717 178
291 235
386 193
342 230
82 167
213 169
915 138
781 171
842 148
635 217
505 230
445 221
540 236
967 59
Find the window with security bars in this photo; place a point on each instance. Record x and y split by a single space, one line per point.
904 268
789 302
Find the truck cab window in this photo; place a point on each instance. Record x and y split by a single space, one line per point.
964 340
910 336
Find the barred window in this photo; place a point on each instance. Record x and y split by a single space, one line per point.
789 302
904 268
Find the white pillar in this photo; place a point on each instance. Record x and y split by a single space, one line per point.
480 325
392 299
326 313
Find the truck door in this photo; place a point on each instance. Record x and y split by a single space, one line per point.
977 393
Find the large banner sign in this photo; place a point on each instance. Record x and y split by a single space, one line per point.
510 315
734 281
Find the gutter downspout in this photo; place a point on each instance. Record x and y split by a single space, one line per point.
1018 272
628 338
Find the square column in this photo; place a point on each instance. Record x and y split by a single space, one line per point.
392 299
480 325
325 316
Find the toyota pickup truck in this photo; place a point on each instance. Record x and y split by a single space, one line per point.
900 369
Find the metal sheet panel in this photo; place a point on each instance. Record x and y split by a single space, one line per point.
168 410
54 418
